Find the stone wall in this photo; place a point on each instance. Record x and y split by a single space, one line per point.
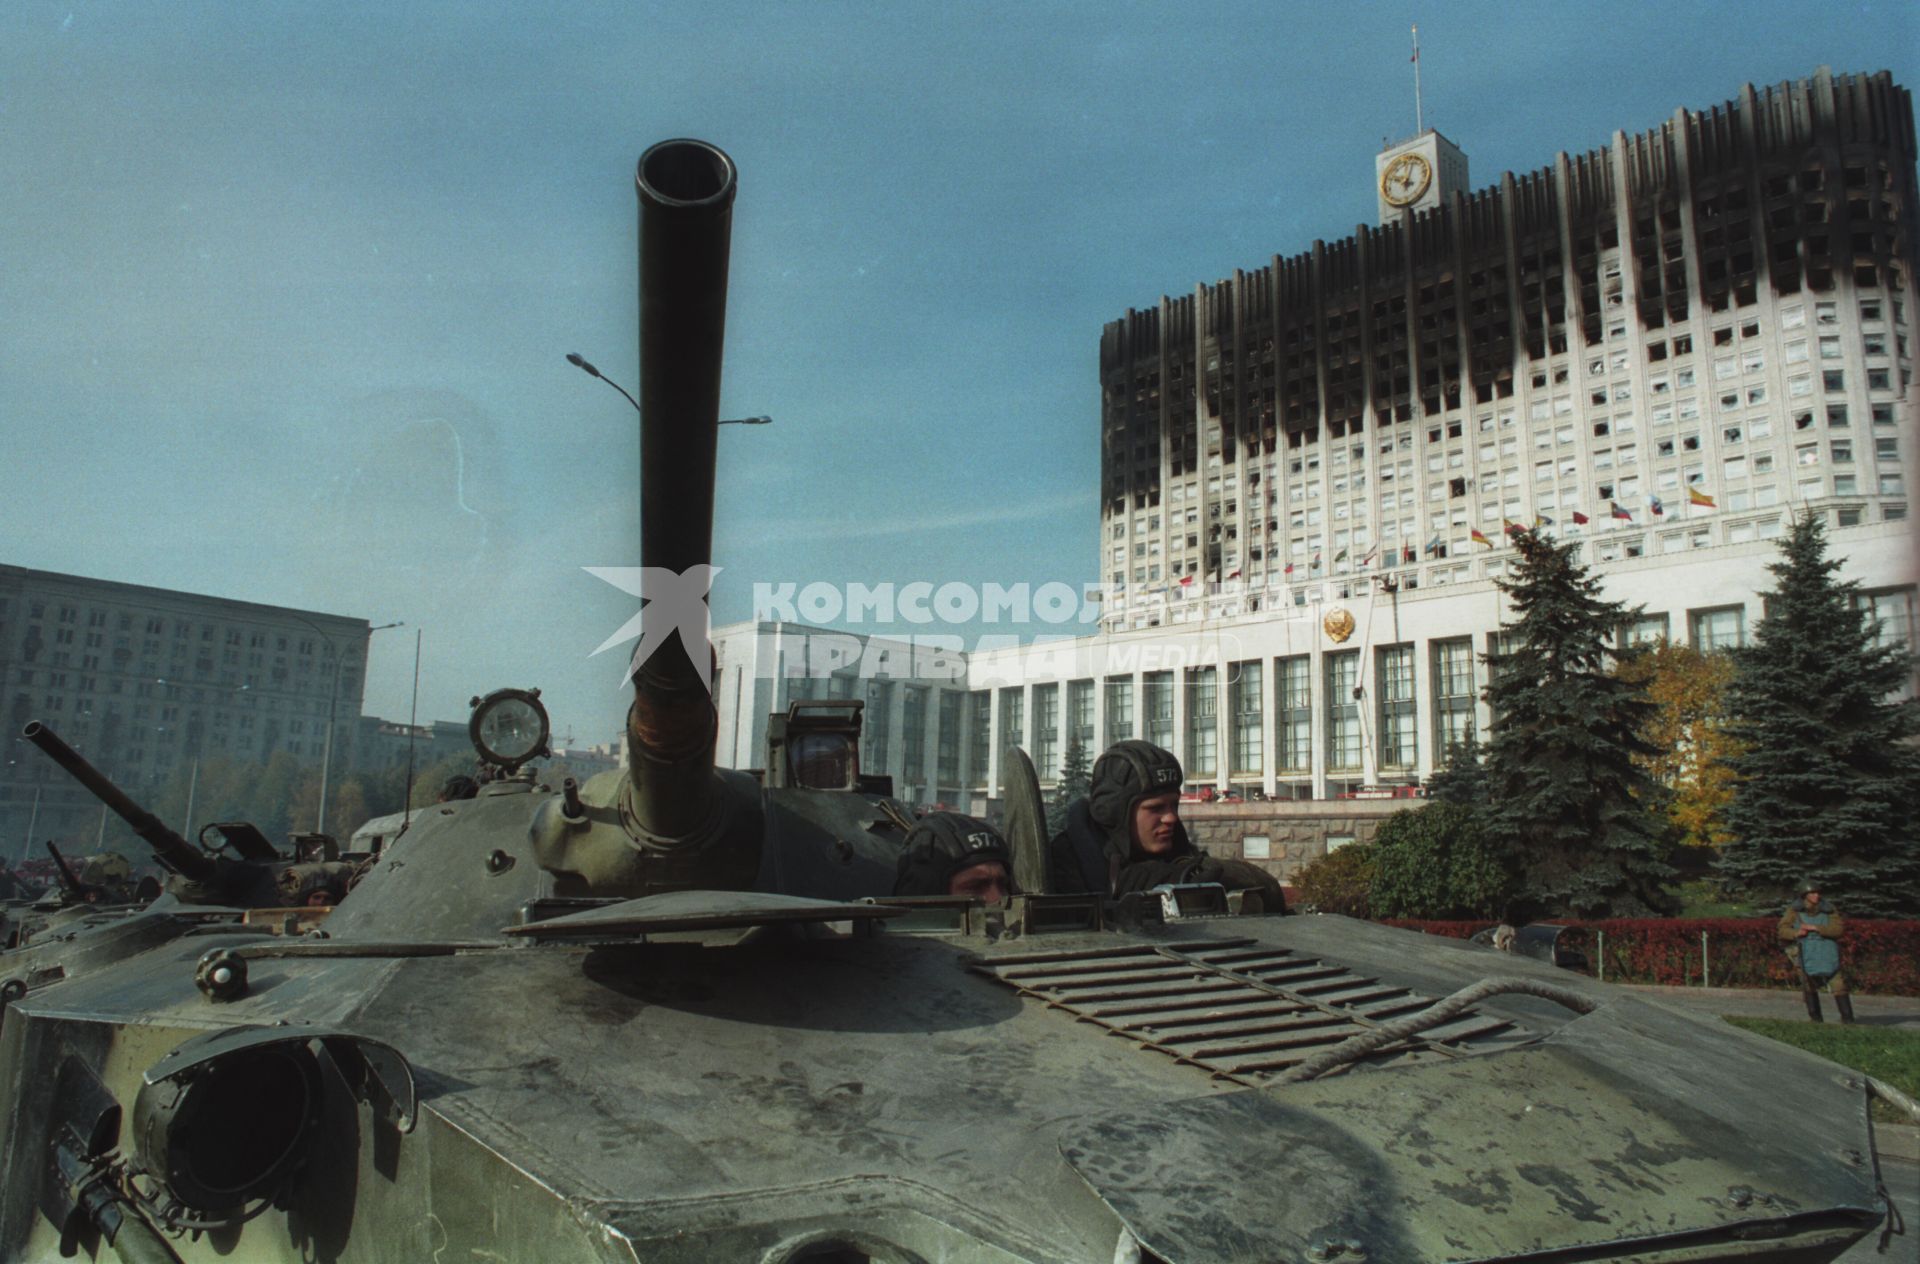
1296 830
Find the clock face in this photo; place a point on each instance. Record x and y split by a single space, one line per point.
1405 179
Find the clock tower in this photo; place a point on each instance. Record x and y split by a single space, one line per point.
1417 175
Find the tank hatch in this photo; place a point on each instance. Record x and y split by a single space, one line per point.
1243 1011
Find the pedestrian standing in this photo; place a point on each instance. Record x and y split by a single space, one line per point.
1811 930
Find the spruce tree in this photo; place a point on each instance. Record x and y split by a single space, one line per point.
1569 806
1829 782
1076 778
1463 778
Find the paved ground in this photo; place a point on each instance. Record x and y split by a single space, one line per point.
1899 1146
1878 1011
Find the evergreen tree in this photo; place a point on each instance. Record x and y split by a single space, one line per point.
1076 776
1829 783
1569 806
1463 778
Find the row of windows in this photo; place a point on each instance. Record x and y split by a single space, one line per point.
1380 709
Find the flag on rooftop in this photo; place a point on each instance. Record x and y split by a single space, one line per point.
1541 520
1697 497
1618 512
1653 503
1579 518
1478 538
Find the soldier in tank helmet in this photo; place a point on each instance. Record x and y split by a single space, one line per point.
950 854
1126 835
457 787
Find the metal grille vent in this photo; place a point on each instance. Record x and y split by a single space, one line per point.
1241 1011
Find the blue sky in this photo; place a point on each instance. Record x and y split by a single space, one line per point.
285 290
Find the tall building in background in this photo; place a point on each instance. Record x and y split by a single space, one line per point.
1660 349
141 681
1715 309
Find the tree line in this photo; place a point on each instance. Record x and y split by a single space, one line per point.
1613 770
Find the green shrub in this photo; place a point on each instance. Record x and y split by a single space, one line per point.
1337 882
1434 862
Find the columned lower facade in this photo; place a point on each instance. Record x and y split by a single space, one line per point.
1369 689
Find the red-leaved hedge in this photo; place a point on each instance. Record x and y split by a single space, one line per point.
1879 956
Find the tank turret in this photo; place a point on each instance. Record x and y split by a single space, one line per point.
172 851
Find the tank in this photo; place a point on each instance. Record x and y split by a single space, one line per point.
675 1015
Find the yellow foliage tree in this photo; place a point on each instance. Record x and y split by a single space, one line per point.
1688 732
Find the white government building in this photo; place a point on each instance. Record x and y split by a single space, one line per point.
1662 348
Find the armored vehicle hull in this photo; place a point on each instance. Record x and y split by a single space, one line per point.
935 1096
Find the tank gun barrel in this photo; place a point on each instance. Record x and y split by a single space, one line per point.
685 190
169 848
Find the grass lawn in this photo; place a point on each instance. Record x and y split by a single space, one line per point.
1885 1053
1704 899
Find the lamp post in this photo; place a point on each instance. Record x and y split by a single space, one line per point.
574 358
333 700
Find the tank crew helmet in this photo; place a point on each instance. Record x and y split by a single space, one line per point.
1127 773
943 844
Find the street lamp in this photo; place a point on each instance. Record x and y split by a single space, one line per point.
579 362
333 699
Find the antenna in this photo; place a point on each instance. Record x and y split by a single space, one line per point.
1419 124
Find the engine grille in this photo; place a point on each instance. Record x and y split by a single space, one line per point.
1242 1011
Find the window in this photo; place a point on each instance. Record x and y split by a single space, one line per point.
1013 729
1119 709
1046 732
1203 722
1393 677
1453 694
1648 629
1889 616
1080 716
875 732
913 736
1343 711
1245 704
979 735
1295 719
1720 628
1158 704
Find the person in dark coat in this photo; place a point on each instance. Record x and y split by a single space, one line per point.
1126 835
950 854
